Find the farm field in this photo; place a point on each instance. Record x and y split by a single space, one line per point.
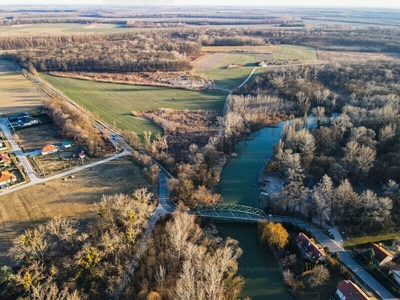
114 103
295 52
229 78
212 61
73 197
16 92
248 49
60 27
355 56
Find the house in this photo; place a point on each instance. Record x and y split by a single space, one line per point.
5 159
27 121
6 177
66 144
347 290
263 64
311 250
48 149
82 155
382 256
396 274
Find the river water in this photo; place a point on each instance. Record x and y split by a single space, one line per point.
263 277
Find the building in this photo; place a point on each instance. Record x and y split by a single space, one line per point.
311 250
263 64
82 155
48 149
15 118
5 159
27 121
396 274
382 256
66 144
6 178
347 290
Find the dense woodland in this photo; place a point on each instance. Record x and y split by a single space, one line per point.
346 167
186 261
170 49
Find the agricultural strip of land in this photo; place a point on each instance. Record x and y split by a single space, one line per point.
16 92
114 103
73 197
295 52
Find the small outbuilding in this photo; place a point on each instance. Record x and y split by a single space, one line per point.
66 144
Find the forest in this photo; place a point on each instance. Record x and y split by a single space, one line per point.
345 168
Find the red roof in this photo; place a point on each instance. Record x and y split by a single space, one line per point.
4 157
313 251
6 176
49 148
380 252
351 291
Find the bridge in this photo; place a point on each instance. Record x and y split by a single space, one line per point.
230 212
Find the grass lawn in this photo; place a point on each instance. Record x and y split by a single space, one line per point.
114 103
371 239
73 198
295 52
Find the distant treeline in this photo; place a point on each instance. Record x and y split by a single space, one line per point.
127 52
168 49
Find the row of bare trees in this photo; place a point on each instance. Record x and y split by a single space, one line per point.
72 123
62 260
185 261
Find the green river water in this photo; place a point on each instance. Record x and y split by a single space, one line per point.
263 278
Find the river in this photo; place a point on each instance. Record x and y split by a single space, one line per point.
263 277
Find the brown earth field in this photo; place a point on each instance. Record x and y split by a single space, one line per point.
36 137
73 197
16 92
355 56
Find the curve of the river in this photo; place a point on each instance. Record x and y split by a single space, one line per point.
258 266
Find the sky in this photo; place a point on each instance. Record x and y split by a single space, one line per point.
358 3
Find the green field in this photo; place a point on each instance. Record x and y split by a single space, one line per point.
115 102
295 52
250 49
371 239
229 79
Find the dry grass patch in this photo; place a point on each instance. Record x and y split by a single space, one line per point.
16 92
73 197
34 138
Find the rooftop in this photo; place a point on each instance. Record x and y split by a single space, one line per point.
380 252
6 176
351 291
309 247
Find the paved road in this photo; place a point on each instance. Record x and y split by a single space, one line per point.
64 174
17 150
